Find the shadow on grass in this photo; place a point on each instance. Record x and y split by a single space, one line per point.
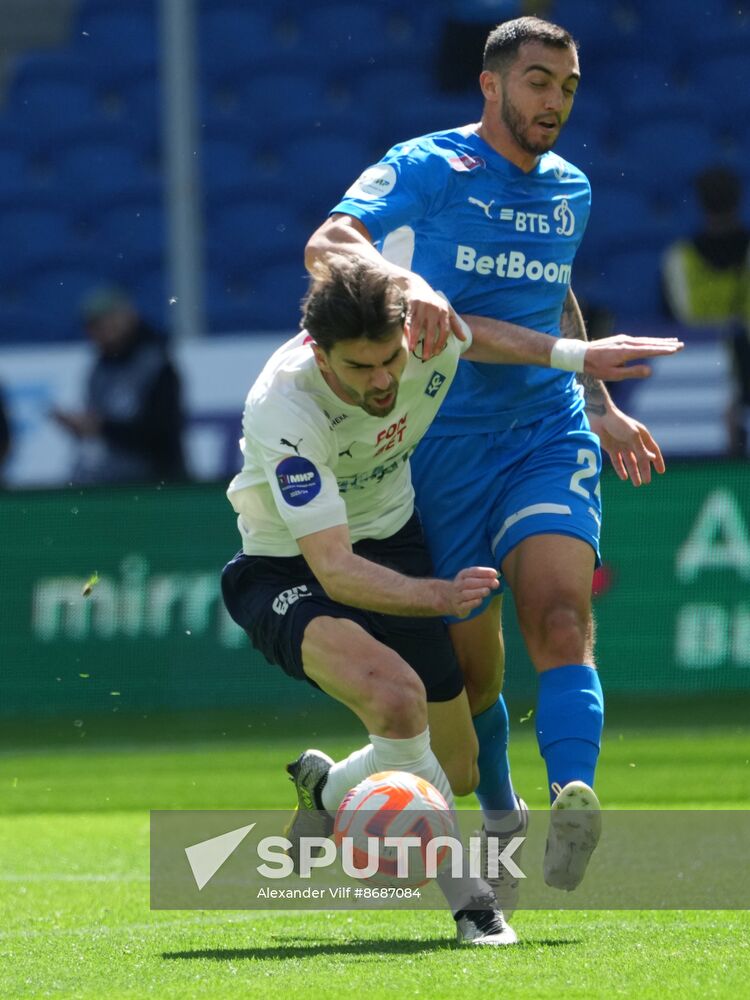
371 946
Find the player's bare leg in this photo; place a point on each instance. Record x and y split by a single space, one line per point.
551 576
389 698
478 644
454 742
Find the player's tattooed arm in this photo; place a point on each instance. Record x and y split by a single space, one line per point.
572 327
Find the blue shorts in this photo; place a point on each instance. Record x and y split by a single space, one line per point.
480 495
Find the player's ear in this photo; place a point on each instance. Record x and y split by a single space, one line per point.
320 357
490 84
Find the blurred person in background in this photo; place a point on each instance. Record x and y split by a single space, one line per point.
464 32
706 282
130 429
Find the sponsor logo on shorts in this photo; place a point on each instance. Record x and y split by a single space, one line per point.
513 264
287 598
433 386
375 182
299 481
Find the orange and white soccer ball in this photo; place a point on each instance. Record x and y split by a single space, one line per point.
394 804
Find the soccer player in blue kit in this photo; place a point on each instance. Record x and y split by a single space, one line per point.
488 215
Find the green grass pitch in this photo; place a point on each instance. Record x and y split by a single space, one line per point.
75 920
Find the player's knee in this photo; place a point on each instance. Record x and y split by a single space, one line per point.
482 694
564 628
398 703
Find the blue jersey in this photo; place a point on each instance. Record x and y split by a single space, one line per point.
497 242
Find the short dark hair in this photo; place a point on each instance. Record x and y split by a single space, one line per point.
350 299
504 41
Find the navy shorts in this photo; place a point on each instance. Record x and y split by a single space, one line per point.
274 598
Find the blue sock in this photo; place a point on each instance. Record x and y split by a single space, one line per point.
494 791
569 719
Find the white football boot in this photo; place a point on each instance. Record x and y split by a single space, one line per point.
484 926
505 886
575 825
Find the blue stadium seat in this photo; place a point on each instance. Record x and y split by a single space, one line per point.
125 39
148 283
235 38
623 75
32 229
134 226
45 101
619 213
641 105
630 282
262 299
22 326
692 33
57 289
591 23
96 7
253 230
289 100
725 74
406 120
226 159
356 36
323 167
663 155
14 171
95 169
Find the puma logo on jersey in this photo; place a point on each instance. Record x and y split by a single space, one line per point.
290 445
485 206
347 451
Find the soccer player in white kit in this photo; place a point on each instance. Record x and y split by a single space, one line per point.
334 583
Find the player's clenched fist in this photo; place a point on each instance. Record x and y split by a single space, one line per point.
470 587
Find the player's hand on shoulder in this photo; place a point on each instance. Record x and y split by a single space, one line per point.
609 359
470 587
430 319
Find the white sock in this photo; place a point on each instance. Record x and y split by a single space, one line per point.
384 754
414 755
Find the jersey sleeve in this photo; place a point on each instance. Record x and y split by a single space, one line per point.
395 192
292 441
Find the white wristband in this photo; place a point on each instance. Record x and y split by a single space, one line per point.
568 354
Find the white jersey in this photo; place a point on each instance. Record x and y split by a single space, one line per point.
313 461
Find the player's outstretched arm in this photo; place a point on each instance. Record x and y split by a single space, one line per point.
497 342
430 319
359 583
